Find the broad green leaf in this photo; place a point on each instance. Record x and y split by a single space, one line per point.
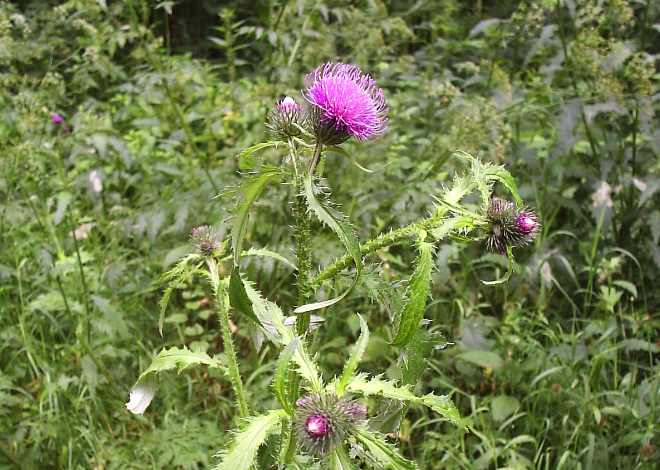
238 297
485 359
281 372
417 292
168 359
245 162
382 451
245 443
416 353
251 189
176 276
338 460
319 202
503 406
441 404
354 358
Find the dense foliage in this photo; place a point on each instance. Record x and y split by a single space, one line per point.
557 368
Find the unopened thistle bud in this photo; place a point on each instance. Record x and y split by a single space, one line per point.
203 237
322 421
285 120
509 226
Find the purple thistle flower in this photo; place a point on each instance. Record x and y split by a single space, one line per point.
203 237
509 226
316 425
286 120
288 106
57 119
346 101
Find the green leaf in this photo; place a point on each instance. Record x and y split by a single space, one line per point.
417 292
168 359
382 451
319 202
503 406
499 173
245 443
251 189
263 252
245 162
485 359
238 297
338 460
176 276
281 372
441 404
417 352
354 358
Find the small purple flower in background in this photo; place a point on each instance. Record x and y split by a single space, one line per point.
57 119
345 103
509 226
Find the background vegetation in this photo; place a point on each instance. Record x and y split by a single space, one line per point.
558 368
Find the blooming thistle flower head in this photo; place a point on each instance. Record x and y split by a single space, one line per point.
345 103
203 237
57 119
509 226
285 120
322 421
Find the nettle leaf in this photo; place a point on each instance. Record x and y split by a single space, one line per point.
339 460
441 404
319 202
174 358
245 443
281 372
238 297
354 359
245 158
176 276
418 291
251 189
382 451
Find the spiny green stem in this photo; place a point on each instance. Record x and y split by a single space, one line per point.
388 239
223 317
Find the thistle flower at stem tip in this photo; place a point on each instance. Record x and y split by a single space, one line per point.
204 239
286 120
344 103
509 226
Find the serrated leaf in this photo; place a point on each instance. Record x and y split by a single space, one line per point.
417 292
281 372
175 276
339 460
263 252
499 173
441 404
354 358
251 189
245 443
416 353
319 203
244 160
168 359
238 297
382 451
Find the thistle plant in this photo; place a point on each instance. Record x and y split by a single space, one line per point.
327 424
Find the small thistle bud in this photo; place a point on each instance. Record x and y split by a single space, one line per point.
509 226
285 120
322 421
203 237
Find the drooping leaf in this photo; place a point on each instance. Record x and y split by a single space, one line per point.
382 451
242 450
354 358
238 297
251 190
168 359
417 293
319 203
281 372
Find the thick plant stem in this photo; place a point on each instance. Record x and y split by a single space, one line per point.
222 303
303 248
